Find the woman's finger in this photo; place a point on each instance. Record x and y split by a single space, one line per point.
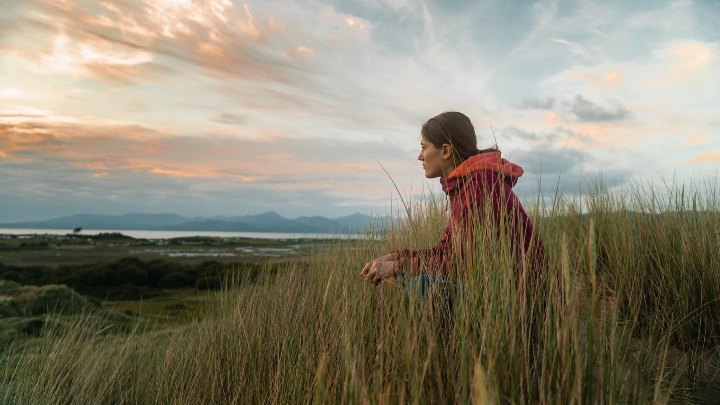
365 269
370 274
377 274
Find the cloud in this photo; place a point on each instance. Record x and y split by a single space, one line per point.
513 132
323 68
587 111
231 119
109 164
538 103
307 62
106 40
686 61
694 140
291 100
545 188
707 157
570 171
546 159
573 47
96 58
29 187
142 149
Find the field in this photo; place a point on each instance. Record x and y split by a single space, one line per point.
56 250
163 281
626 311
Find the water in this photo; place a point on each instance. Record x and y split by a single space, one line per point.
183 234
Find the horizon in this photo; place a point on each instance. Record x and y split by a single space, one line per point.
260 225
222 108
188 217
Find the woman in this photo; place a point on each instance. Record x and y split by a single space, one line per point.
479 185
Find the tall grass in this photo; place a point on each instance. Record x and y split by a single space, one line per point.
626 311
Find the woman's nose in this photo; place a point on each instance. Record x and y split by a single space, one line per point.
420 157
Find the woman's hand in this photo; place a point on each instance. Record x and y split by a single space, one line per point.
377 270
387 258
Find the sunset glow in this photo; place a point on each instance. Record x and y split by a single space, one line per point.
228 108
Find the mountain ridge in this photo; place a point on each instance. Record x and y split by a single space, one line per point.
269 221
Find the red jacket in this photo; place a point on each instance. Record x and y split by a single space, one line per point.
483 181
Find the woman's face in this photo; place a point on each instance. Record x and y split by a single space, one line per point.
435 161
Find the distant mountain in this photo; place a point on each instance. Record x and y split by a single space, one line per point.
320 223
265 222
360 222
93 221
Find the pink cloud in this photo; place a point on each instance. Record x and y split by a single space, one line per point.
687 62
707 157
106 150
690 55
695 140
603 80
119 42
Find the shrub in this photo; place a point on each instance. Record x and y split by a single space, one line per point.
158 268
99 276
208 283
12 276
211 268
32 300
174 280
131 274
128 292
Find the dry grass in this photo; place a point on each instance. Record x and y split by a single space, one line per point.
627 311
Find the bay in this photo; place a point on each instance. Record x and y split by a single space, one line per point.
141 234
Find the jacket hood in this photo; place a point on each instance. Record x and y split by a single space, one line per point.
490 161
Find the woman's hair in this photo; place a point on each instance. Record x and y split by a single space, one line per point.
453 128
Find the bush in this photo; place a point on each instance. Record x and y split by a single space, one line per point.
8 286
32 301
156 270
208 283
128 292
100 276
131 274
174 280
211 268
12 276
71 280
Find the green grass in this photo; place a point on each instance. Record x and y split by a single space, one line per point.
59 250
176 305
627 311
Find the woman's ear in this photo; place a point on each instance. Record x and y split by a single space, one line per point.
446 151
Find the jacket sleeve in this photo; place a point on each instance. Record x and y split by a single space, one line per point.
437 259
460 231
489 195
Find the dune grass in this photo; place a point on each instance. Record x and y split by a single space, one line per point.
627 311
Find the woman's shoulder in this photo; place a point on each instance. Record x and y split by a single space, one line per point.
484 177
483 181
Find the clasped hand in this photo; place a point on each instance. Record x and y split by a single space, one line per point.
378 269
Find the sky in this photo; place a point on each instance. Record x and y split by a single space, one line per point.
218 107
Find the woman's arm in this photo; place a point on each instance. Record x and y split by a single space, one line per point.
437 259
467 208
409 262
